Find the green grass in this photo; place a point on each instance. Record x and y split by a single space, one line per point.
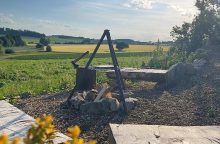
55 39
29 40
42 73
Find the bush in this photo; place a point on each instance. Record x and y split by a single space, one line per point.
39 45
48 49
45 41
43 131
9 51
1 50
159 59
121 45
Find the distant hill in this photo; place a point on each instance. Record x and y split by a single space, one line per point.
62 39
31 37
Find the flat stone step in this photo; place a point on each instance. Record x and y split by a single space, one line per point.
15 122
154 75
156 134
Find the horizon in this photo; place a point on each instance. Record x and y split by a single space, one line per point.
139 20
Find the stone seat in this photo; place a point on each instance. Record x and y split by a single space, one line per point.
159 134
154 75
16 123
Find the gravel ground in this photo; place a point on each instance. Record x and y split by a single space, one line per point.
189 104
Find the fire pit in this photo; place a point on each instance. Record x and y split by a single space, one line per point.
86 98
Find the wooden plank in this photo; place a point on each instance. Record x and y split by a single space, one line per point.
103 90
156 134
15 123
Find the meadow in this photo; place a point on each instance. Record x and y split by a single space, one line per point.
103 48
33 73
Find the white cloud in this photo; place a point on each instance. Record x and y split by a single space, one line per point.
139 4
183 12
184 8
6 19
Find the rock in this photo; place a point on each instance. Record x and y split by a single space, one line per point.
179 72
84 94
104 106
198 64
93 108
130 103
77 101
112 103
91 95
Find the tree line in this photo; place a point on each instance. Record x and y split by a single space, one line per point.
202 32
27 33
11 40
204 29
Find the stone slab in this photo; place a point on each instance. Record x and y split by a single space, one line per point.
15 123
156 134
154 75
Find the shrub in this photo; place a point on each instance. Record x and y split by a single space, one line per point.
159 59
39 45
45 41
43 131
48 49
121 45
9 51
1 50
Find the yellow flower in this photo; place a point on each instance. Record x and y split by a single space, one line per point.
37 120
4 139
50 130
77 141
66 142
92 142
49 119
74 131
80 141
16 140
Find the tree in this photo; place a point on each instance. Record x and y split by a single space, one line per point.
45 41
1 50
18 41
205 28
9 51
39 45
11 40
48 48
182 37
86 41
6 42
121 45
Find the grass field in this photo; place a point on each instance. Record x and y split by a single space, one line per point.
33 72
30 39
103 48
36 73
56 39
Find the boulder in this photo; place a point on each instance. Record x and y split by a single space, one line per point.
198 64
111 103
93 108
130 103
100 107
77 101
91 95
179 72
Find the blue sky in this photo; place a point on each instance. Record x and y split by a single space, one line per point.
145 20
